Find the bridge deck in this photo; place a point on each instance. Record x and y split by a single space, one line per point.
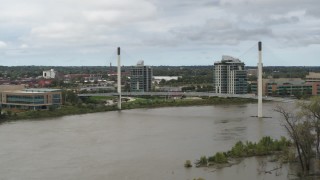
188 94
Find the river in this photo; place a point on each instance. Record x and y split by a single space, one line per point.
140 144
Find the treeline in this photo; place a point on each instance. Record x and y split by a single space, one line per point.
15 72
287 71
165 102
205 72
188 80
75 105
182 70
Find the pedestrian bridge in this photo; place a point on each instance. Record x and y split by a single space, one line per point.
187 94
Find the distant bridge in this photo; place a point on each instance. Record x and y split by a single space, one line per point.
187 94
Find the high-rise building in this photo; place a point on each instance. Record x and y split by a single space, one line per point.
230 77
140 78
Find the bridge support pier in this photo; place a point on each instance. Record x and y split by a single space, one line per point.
119 79
260 81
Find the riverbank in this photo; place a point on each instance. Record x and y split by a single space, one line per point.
99 106
156 102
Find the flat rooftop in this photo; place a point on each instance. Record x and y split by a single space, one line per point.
41 90
34 90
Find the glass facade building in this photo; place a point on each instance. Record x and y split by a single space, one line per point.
274 89
140 78
31 98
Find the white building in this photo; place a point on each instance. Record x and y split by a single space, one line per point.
49 74
157 79
230 77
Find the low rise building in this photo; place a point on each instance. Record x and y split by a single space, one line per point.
31 98
287 87
157 79
11 87
281 86
252 72
49 74
93 78
44 82
313 77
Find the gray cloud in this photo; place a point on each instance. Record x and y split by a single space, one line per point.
3 45
281 21
91 26
217 32
313 11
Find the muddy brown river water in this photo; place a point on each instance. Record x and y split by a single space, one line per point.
140 144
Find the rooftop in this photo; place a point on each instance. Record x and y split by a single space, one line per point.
41 90
140 63
313 75
229 59
32 91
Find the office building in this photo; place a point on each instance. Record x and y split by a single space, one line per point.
140 78
313 77
291 87
34 99
230 77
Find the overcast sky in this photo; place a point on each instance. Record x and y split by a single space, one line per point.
160 32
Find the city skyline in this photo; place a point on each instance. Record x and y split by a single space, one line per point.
80 32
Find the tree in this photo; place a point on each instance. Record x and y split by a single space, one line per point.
71 97
299 129
187 164
2 115
311 110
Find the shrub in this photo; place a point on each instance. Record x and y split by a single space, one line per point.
187 164
202 161
265 146
237 150
220 158
211 158
198 179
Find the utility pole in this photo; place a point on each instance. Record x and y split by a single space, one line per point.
119 79
260 81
